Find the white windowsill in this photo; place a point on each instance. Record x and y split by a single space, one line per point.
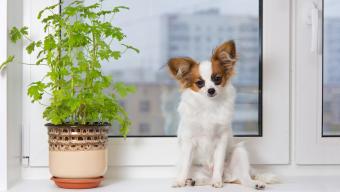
291 184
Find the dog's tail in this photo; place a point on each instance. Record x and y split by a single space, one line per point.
264 177
267 178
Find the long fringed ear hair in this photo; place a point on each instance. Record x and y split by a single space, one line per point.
180 68
225 54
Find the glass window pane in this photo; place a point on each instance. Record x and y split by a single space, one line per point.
331 68
170 28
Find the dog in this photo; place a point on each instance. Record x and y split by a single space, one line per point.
208 155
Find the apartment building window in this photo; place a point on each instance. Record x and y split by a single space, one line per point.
144 106
144 128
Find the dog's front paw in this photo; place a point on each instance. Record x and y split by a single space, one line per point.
260 185
217 183
190 182
183 183
179 183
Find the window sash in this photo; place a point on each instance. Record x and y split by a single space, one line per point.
311 147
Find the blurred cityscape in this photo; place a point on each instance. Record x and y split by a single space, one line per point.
153 108
331 77
171 28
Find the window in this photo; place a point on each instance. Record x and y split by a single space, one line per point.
144 106
331 68
316 95
191 28
296 88
144 128
262 80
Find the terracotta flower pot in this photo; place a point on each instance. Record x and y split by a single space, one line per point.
78 154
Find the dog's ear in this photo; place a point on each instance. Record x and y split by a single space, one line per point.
181 67
225 54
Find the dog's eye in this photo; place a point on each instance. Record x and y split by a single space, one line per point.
200 83
216 79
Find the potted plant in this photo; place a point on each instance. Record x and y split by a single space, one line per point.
83 102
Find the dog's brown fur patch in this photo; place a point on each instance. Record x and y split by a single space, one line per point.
223 61
186 71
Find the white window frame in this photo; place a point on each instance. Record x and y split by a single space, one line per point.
271 148
10 97
3 98
311 147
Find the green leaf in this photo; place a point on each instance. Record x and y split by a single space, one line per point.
40 13
24 30
70 11
116 54
30 47
48 8
40 61
5 63
49 43
118 8
38 44
15 34
36 90
117 33
73 103
106 81
40 52
123 90
53 114
124 129
131 47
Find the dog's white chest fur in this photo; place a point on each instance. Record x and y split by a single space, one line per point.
204 120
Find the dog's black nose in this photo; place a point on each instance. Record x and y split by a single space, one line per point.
211 91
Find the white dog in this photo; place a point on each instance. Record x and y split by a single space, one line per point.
208 154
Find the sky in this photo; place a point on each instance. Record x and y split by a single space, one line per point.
332 8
